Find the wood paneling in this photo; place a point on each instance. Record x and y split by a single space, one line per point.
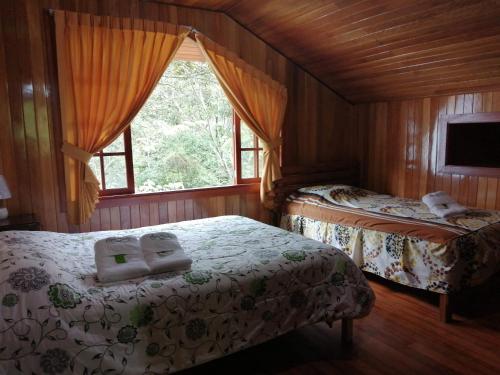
162 209
314 129
384 49
398 148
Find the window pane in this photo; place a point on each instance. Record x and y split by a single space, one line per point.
261 162
116 146
247 137
247 164
115 172
183 136
95 165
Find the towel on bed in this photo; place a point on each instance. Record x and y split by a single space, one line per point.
163 252
442 205
119 258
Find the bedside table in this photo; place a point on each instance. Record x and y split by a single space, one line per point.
19 222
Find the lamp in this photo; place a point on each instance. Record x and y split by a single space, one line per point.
4 194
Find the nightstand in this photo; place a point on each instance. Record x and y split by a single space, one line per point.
19 222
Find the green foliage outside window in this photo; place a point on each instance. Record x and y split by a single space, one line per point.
182 138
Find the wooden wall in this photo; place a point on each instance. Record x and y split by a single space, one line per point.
397 149
317 128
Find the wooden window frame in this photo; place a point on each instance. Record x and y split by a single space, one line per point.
444 124
238 150
129 167
130 189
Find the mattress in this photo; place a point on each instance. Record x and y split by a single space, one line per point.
397 238
249 283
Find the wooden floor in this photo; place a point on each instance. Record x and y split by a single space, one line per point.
401 336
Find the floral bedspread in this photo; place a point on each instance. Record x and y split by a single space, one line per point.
397 238
354 197
249 282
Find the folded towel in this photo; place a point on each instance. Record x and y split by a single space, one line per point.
442 205
163 252
119 258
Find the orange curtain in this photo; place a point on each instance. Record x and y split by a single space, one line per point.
107 69
257 99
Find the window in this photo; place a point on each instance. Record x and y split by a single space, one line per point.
248 153
469 144
186 136
113 166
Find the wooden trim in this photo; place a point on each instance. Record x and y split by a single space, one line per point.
130 199
470 171
54 106
347 331
237 146
472 118
442 145
445 312
238 151
129 167
129 160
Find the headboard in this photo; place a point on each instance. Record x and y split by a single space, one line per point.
297 177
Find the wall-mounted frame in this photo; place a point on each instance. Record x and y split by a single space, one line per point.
469 144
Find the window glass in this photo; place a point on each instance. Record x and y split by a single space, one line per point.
116 146
183 136
115 172
247 137
95 165
247 164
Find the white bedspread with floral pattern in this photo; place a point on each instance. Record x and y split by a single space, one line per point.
249 282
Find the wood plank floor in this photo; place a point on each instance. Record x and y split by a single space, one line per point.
401 336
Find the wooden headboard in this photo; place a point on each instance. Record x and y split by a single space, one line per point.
295 178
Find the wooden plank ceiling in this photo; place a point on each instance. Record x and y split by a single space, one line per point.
369 50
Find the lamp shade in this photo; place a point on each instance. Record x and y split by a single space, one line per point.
4 189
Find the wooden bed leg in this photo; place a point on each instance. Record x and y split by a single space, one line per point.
347 331
444 308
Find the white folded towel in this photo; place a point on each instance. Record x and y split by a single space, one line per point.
442 205
119 258
163 253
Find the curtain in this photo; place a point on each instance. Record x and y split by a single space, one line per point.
257 99
107 68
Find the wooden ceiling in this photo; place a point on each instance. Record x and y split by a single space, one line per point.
369 50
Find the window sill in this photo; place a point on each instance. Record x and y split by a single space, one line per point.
108 201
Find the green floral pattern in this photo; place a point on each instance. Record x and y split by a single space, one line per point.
10 300
62 295
249 282
295 255
54 361
197 277
141 315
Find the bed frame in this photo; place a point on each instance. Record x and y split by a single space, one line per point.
339 173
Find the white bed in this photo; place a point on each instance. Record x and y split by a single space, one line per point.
249 283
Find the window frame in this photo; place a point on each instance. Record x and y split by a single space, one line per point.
238 151
129 164
129 167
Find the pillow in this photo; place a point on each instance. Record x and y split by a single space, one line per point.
338 194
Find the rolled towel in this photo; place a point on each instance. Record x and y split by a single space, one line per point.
163 252
442 205
119 258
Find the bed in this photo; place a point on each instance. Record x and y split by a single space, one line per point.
399 239
249 283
